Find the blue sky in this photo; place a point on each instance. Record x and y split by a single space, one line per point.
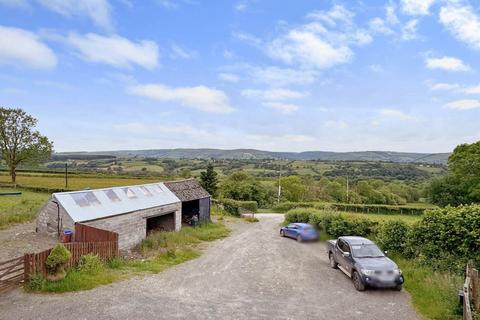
286 76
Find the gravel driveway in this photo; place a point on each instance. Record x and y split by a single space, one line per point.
253 274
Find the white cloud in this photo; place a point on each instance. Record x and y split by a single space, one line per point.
409 30
335 124
416 7
279 140
446 63
169 4
96 10
397 114
23 48
273 94
276 76
443 86
472 89
462 22
248 38
138 128
229 77
376 68
115 50
466 104
200 97
322 43
285 108
181 53
379 25
392 26
241 7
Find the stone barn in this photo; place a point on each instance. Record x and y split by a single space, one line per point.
131 211
195 199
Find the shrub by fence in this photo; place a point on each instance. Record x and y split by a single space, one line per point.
35 262
236 207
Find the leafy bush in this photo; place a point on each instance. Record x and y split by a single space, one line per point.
393 236
234 207
57 258
447 238
299 215
341 226
36 282
333 223
90 264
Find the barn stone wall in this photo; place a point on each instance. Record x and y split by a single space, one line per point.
47 219
132 227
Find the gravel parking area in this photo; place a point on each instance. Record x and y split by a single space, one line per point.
22 238
253 274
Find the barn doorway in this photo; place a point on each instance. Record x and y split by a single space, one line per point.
165 222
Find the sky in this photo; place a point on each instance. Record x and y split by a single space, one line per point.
396 75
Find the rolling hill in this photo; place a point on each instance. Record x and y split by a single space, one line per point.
385 156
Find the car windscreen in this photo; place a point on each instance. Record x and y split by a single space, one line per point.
366 251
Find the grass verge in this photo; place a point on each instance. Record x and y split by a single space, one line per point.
434 294
164 250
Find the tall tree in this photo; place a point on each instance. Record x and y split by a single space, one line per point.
462 184
20 142
209 180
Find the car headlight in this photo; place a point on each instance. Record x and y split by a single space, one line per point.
397 271
368 272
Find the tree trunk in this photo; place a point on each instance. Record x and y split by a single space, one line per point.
13 174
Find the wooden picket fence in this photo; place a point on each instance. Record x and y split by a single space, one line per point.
35 262
84 233
471 297
87 240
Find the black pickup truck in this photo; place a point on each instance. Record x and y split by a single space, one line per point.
362 261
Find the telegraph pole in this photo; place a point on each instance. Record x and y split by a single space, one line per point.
66 175
347 190
279 185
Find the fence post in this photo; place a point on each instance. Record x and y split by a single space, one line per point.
27 266
474 283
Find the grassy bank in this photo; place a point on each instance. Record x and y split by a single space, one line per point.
160 251
20 209
434 294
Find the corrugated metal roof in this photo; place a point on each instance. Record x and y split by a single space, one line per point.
187 190
100 203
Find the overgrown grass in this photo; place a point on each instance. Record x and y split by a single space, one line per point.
185 237
433 294
20 209
165 249
251 219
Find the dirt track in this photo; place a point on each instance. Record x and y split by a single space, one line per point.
253 274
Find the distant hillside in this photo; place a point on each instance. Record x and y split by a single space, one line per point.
387 156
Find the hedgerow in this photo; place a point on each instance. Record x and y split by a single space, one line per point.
445 239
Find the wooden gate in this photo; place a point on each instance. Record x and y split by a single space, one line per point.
12 273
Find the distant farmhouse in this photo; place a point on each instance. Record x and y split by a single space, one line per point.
130 211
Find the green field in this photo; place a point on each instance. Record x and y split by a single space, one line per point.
19 209
75 182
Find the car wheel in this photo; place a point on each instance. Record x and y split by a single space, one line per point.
333 264
299 238
282 233
398 287
357 281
